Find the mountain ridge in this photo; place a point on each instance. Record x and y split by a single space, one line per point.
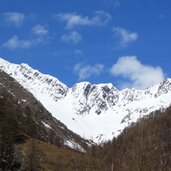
30 117
94 111
32 139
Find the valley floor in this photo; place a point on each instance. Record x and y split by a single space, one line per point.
38 155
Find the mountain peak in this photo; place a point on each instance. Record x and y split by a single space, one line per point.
95 111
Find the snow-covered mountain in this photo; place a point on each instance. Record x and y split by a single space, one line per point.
97 112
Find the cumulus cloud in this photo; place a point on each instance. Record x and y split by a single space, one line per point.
126 37
72 20
16 43
14 18
86 71
136 74
39 30
73 37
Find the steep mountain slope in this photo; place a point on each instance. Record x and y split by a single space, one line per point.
31 139
98 112
22 113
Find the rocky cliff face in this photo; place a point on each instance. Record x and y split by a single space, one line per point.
94 111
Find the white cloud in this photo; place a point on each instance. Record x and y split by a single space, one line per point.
73 37
126 37
136 74
101 18
39 30
15 43
13 18
72 20
86 71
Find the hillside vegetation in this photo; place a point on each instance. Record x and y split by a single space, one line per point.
144 146
38 155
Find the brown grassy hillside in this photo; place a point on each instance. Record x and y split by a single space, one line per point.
37 155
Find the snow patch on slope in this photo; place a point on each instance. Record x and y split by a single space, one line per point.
74 145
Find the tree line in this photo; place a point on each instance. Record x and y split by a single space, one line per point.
143 146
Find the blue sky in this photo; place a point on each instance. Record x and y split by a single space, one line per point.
125 42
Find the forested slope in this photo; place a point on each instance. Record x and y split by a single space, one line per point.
144 146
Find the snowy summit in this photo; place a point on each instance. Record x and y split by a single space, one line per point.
94 111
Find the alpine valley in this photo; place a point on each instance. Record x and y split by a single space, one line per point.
47 126
94 111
